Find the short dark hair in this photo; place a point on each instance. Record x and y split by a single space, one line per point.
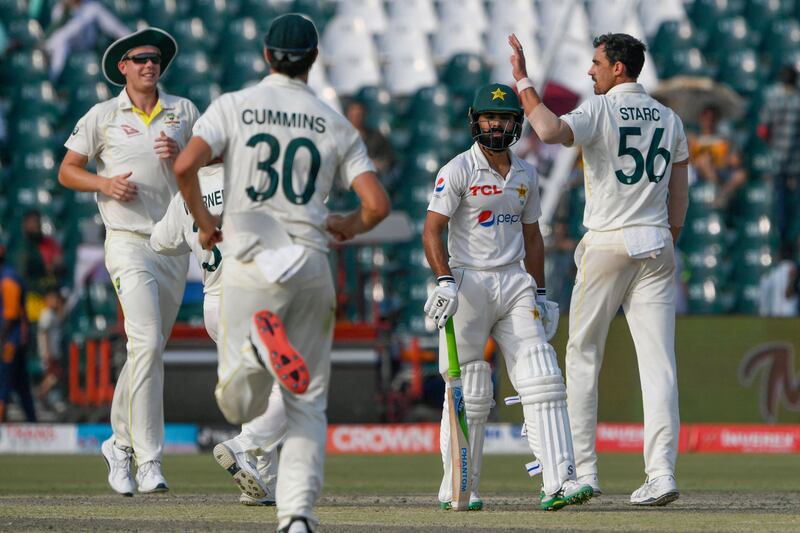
623 48
291 68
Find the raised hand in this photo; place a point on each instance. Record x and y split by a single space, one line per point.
518 68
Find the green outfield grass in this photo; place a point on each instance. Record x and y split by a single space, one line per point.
398 493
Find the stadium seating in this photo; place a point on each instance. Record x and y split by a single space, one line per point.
243 69
81 69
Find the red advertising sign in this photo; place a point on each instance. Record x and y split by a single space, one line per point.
383 438
743 438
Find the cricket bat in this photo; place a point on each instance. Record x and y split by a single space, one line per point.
459 433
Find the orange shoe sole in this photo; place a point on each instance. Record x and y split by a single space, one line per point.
269 337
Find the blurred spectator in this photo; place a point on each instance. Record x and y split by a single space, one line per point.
41 259
78 22
379 148
50 337
780 127
13 341
778 289
715 158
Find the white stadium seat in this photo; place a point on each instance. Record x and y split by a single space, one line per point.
418 12
455 37
370 10
468 12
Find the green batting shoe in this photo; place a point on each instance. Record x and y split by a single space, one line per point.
474 505
571 493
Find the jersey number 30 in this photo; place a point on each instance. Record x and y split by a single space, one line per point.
642 163
288 163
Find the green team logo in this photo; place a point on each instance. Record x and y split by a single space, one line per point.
117 285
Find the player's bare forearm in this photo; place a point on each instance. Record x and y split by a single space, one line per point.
534 252
196 154
73 174
432 242
548 127
374 208
678 200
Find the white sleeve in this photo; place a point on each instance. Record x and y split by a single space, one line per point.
533 203
583 121
211 127
355 160
448 189
85 138
167 237
681 146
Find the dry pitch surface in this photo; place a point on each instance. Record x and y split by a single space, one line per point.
397 493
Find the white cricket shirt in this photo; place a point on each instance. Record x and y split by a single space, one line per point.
120 139
630 142
283 148
176 233
486 211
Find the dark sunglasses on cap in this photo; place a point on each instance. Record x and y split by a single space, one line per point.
142 59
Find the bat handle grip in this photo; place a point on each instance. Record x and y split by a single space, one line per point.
453 367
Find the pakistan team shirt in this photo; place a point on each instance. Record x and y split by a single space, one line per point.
486 211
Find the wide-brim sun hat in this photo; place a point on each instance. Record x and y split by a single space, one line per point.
157 37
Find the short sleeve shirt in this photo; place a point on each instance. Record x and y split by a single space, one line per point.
121 139
486 211
177 234
630 142
283 150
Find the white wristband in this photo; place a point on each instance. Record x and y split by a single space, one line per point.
524 83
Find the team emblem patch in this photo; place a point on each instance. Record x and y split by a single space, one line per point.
118 285
499 94
172 120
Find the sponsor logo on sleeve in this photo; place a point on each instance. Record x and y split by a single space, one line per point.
439 185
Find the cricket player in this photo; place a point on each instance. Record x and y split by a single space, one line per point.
282 148
488 199
134 139
635 171
251 457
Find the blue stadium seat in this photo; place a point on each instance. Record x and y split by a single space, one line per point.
81 69
243 69
191 68
464 74
760 14
215 13
26 33
193 35
729 35
11 10
742 70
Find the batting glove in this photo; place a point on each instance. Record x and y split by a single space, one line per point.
549 313
443 301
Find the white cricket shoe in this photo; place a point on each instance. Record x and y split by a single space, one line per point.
267 501
241 465
118 461
150 478
592 481
655 492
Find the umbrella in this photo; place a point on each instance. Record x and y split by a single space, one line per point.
688 96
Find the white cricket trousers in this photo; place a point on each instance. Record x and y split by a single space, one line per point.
265 431
306 305
150 289
608 278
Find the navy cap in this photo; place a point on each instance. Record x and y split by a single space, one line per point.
292 33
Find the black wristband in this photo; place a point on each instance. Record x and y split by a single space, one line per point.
445 279
541 292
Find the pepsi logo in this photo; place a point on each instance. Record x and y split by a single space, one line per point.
439 185
486 219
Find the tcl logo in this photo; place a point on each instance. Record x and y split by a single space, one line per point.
485 190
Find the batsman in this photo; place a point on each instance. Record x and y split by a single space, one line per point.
488 199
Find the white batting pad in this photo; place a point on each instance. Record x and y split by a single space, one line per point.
541 388
476 379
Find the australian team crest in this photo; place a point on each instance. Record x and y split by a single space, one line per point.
172 120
